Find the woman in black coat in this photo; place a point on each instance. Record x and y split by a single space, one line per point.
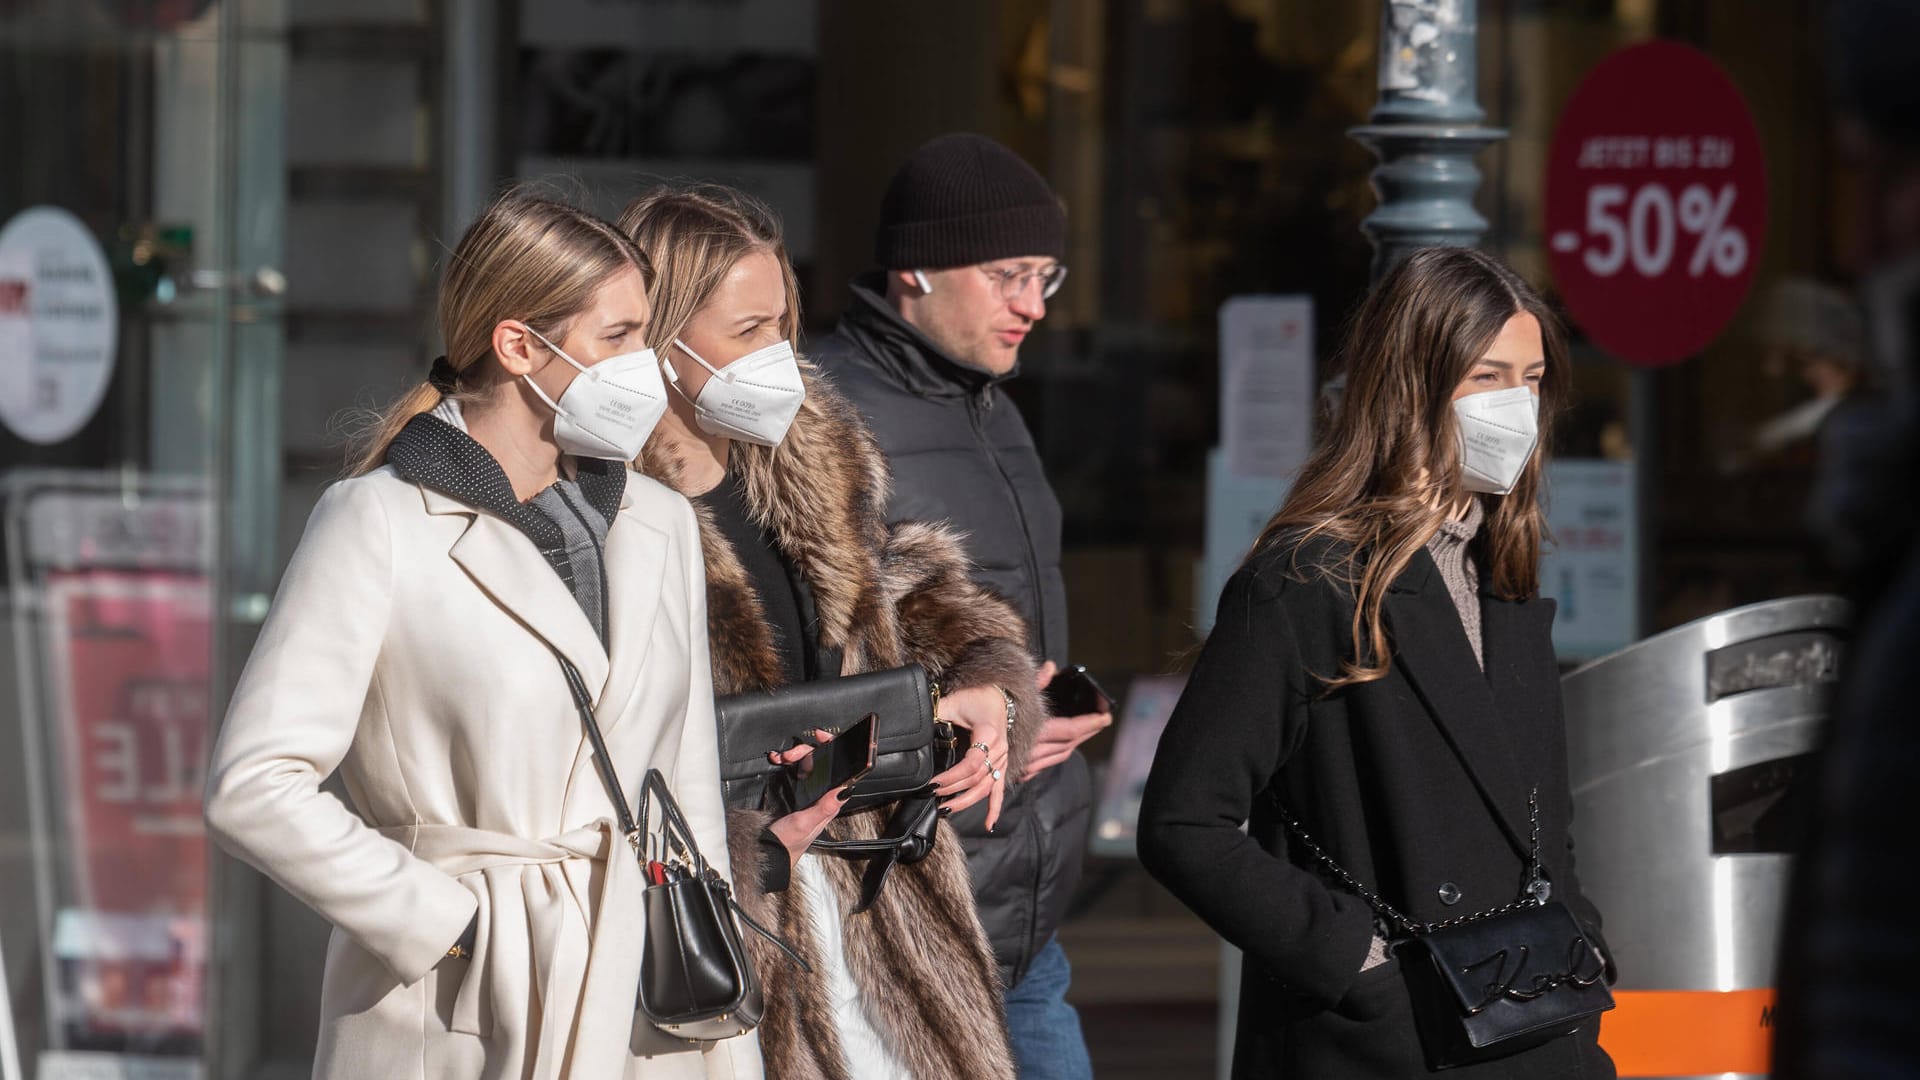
1382 668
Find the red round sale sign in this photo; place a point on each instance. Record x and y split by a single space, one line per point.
1656 202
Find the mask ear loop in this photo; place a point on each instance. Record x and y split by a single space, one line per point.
673 377
559 352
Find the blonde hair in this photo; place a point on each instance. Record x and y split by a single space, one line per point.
526 257
696 234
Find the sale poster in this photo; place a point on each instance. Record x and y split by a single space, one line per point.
129 663
1656 202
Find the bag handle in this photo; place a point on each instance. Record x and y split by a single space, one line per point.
655 787
909 837
1530 894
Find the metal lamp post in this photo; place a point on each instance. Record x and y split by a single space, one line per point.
1426 130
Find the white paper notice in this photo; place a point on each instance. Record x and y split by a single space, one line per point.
1238 509
54 373
16 326
1266 384
1592 569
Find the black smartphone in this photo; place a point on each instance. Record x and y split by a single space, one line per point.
845 759
1074 693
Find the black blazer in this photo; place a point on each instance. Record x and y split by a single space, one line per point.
1399 779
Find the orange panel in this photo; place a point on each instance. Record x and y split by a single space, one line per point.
1689 1032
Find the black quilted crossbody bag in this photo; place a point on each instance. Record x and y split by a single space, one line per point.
1496 982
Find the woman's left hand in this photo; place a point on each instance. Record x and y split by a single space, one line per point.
981 715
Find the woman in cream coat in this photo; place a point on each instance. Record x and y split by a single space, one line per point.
412 650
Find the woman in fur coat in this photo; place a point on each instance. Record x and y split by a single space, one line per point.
789 487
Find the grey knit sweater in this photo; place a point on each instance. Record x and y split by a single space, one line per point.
1449 550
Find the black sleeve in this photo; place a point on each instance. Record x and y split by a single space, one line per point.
1221 747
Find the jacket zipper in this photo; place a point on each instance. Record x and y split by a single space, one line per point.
976 408
1033 896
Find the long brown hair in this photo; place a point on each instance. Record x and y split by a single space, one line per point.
1381 480
525 257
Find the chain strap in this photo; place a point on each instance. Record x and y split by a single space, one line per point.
1533 894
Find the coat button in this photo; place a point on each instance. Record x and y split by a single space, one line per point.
1449 893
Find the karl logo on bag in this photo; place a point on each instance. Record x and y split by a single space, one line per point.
1501 985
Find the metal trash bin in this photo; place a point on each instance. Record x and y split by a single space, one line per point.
1691 760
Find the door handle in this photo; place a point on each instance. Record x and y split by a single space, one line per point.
264 281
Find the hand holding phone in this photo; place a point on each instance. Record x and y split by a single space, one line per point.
843 760
1079 710
1074 693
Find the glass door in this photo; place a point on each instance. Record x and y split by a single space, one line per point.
141 211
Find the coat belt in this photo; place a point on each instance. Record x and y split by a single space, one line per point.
537 935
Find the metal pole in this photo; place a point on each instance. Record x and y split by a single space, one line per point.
9 1049
1426 130
468 91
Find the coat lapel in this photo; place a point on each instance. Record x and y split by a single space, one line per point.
636 557
1432 648
1517 640
504 563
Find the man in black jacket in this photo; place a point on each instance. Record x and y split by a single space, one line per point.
970 241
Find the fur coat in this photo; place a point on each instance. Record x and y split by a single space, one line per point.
886 596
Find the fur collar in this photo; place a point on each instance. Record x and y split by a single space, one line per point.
884 596
822 493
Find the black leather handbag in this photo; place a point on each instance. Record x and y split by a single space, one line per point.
913 748
1502 983
1497 982
696 982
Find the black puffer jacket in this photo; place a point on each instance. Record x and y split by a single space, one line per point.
961 453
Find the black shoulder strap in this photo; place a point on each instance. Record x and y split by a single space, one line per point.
675 827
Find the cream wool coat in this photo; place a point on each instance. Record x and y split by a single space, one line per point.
410 650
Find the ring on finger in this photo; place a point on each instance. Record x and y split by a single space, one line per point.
985 751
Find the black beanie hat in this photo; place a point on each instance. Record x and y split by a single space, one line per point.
962 199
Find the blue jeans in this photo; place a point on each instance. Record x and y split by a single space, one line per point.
1044 1029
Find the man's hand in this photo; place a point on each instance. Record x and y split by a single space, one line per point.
1060 735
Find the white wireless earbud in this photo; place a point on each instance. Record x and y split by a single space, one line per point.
925 285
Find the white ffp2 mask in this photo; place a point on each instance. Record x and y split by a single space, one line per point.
1498 429
753 399
609 409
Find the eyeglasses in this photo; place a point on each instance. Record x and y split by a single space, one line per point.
1013 283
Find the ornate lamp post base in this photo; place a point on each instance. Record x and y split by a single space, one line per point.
1425 182
1425 129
